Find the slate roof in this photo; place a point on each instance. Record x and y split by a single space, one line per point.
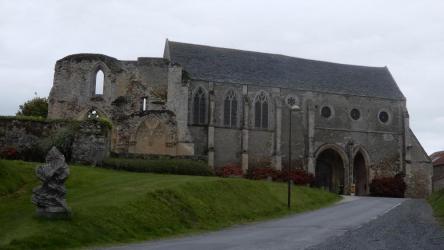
437 158
247 67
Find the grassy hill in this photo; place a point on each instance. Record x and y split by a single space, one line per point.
114 206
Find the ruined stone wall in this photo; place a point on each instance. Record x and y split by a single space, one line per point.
30 139
91 144
24 135
125 84
133 92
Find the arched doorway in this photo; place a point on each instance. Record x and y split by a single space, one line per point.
360 174
329 172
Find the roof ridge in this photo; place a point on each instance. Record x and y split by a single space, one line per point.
266 69
275 54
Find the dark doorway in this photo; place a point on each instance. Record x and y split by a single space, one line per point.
360 174
330 171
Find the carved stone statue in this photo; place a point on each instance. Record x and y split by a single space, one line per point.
50 196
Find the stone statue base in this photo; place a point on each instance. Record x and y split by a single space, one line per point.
53 213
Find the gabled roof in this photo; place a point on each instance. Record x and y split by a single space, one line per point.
247 67
437 158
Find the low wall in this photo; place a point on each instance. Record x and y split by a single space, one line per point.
28 138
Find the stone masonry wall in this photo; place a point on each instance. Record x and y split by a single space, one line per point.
166 126
81 142
419 169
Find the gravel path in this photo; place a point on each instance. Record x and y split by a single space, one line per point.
408 226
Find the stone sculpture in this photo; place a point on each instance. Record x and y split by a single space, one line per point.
50 196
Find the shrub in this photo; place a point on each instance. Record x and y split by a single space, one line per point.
260 173
38 107
161 166
229 170
298 176
301 177
9 153
388 186
35 152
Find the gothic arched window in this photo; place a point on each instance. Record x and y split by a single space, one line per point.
144 104
99 82
230 109
261 111
199 106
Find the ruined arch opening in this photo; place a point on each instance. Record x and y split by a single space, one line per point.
99 82
155 135
360 177
329 171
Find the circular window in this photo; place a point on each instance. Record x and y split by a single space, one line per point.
355 114
291 100
326 112
383 116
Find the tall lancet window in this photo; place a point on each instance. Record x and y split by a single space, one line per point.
261 111
99 84
199 107
144 104
230 109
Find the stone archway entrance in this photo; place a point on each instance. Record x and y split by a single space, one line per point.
360 178
329 172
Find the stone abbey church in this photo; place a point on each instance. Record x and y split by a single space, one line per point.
231 106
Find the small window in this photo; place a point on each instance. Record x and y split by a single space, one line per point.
355 114
144 104
326 112
291 100
383 116
99 85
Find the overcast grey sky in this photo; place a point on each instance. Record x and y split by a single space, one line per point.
405 35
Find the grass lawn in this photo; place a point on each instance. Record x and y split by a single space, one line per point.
112 207
436 200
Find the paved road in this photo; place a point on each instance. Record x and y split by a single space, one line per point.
409 226
326 228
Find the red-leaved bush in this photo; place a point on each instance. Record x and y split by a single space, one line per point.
260 173
298 176
388 186
9 153
229 170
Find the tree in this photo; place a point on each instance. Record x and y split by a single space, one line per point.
38 106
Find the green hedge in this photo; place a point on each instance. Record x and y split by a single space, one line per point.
162 166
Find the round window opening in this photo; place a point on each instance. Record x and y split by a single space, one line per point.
383 116
326 112
355 114
291 100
